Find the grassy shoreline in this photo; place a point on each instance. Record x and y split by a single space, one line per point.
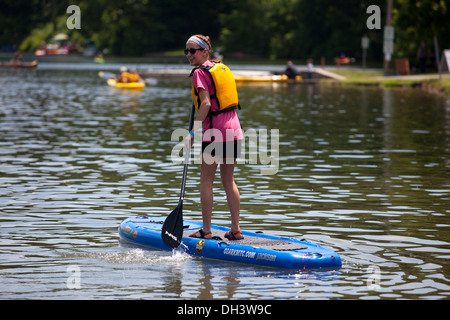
429 82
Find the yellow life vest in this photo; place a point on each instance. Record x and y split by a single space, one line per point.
133 77
224 88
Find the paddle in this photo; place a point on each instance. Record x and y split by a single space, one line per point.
151 81
106 75
172 230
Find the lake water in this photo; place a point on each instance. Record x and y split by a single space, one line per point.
362 170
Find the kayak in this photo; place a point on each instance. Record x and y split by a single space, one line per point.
255 248
32 64
264 78
126 85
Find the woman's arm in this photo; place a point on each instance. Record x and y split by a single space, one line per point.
205 105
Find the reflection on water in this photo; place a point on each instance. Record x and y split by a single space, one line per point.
362 170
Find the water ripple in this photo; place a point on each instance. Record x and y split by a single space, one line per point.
357 174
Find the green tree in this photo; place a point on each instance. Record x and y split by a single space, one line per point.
329 28
297 28
287 29
263 28
420 20
137 27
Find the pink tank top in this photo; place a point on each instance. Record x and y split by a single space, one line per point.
226 125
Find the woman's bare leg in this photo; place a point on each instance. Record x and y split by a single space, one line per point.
232 192
208 170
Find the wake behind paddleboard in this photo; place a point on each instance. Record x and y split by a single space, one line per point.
255 248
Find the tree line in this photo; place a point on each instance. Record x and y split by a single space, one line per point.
269 29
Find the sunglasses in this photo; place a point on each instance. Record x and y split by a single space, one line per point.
192 51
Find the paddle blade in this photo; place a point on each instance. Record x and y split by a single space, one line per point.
151 81
172 230
106 75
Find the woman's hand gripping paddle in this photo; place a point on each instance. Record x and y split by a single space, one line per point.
172 230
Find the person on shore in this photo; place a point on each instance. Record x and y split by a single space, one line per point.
310 67
291 71
215 97
422 56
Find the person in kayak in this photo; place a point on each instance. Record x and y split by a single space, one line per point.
222 144
17 60
126 76
134 76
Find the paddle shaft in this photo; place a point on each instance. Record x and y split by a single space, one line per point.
172 229
106 75
187 156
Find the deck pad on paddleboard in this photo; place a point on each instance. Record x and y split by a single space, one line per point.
273 244
255 248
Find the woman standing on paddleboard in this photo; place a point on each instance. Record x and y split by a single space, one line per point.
215 98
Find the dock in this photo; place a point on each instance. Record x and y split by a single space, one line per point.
244 75
329 75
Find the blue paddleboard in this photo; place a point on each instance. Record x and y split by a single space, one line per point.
255 248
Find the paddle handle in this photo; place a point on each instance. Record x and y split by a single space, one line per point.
187 156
